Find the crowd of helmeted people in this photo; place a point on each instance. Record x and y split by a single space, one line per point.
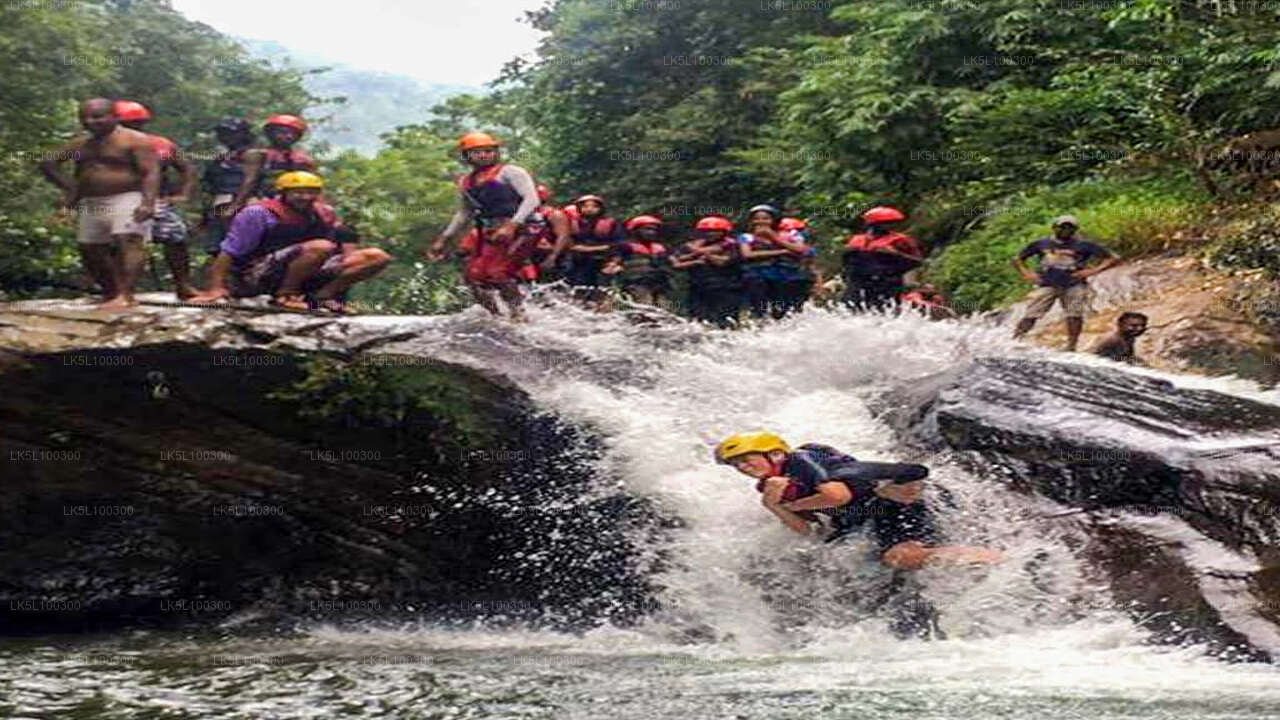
271 233
509 231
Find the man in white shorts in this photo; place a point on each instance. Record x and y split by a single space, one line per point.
116 182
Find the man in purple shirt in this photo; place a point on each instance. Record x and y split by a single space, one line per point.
294 248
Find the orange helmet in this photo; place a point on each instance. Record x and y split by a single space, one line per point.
130 111
643 221
714 222
474 140
792 224
289 121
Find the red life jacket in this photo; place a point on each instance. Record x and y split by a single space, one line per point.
642 259
277 162
601 229
165 150
489 197
293 227
866 242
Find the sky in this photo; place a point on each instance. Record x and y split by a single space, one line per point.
436 41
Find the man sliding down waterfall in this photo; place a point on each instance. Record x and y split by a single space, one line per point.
818 479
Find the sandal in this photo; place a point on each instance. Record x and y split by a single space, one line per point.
334 305
291 301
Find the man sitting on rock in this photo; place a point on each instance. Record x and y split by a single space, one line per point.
291 247
1118 345
1063 272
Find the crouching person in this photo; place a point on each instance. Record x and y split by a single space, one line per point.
292 248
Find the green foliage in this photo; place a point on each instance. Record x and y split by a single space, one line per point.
378 393
400 199
1250 242
1130 216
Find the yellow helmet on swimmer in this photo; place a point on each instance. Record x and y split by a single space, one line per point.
299 180
743 443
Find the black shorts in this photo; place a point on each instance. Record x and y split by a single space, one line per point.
893 522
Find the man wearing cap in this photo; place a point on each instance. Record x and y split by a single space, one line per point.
1062 276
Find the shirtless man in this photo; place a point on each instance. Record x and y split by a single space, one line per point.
116 182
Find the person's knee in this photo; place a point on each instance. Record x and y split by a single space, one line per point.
318 246
908 555
375 257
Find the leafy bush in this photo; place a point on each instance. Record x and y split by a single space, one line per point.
1131 216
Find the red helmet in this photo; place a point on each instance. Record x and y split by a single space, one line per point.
544 193
585 198
715 222
792 224
289 121
643 221
883 214
130 111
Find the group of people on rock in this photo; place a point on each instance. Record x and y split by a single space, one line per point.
271 233
508 232
266 222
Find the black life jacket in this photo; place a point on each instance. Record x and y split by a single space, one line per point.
488 197
294 227
278 162
225 174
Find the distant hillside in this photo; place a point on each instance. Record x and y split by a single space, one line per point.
376 102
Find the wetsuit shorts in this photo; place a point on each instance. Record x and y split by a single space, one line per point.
106 216
893 523
265 275
168 225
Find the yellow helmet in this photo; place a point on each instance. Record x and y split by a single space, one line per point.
299 179
741 444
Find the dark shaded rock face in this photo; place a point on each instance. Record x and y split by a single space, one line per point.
213 470
1181 487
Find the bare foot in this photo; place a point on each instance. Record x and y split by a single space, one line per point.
118 303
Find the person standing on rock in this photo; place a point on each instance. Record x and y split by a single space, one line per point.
1062 276
168 227
223 178
263 165
875 261
496 198
116 182
1119 345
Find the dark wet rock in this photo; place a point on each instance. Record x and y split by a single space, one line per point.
1181 487
174 466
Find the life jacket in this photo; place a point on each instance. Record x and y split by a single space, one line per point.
225 174
641 260
593 232
537 228
277 162
866 242
165 150
710 277
870 260
488 197
293 227
790 259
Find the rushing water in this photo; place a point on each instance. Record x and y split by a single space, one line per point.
751 622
